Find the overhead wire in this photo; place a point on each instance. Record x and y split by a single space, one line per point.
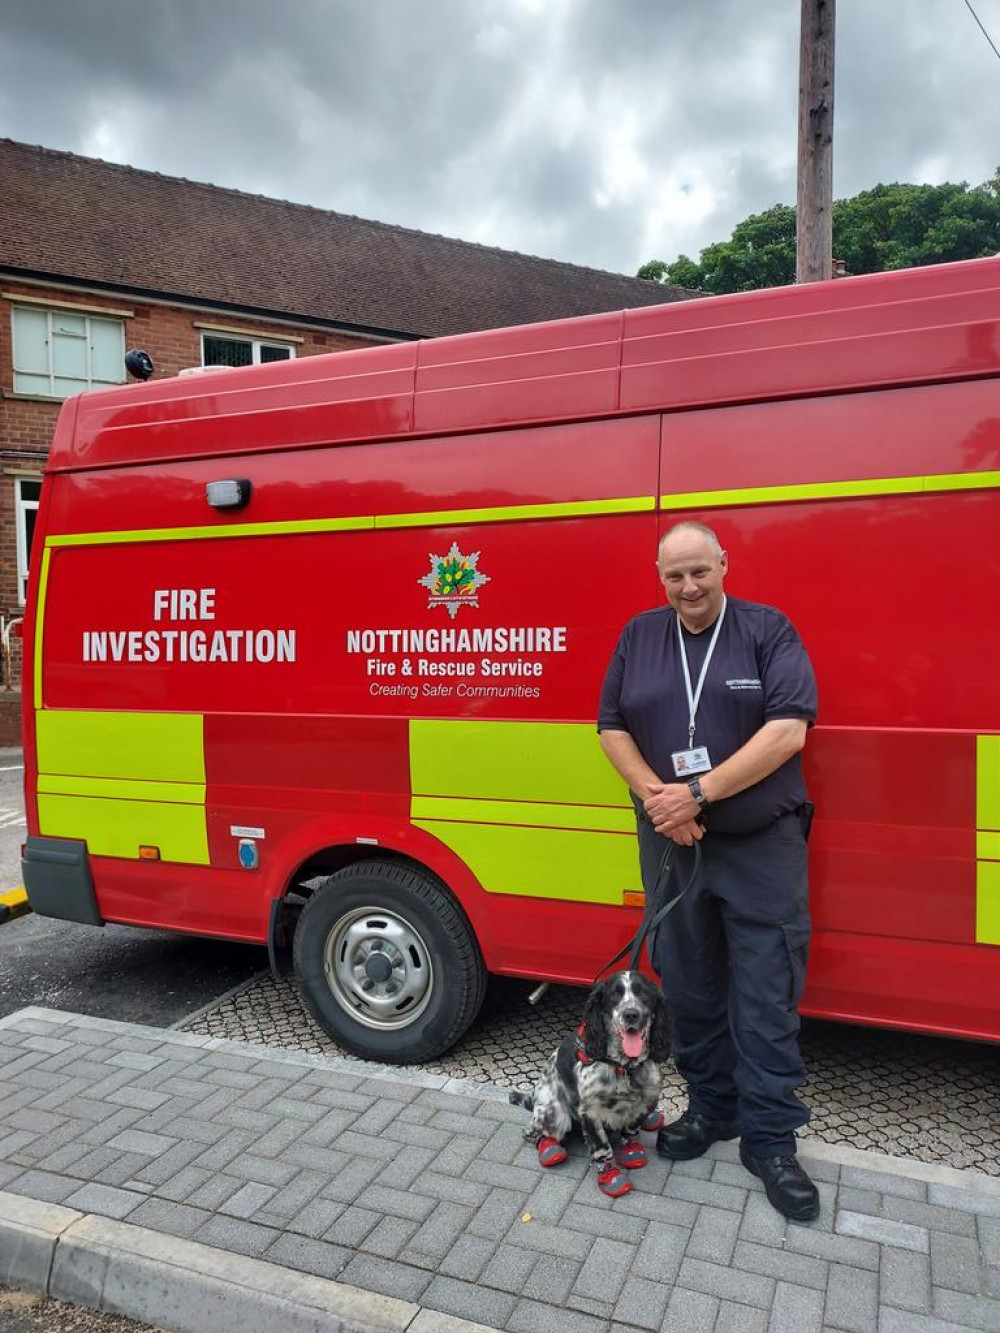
982 29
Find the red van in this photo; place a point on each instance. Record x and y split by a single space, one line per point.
313 649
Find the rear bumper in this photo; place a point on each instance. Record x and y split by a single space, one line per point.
58 880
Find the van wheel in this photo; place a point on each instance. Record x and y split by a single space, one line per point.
387 963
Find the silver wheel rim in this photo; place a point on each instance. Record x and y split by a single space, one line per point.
378 968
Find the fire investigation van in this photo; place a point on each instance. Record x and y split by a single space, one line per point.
313 649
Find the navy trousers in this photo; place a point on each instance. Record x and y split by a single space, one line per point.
731 958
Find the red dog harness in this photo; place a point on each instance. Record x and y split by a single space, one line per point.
585 1059
611 1179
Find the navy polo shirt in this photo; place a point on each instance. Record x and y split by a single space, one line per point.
759 671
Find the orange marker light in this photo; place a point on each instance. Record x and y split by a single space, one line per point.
633 898
149 853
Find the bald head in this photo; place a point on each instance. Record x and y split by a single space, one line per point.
692 567
691 525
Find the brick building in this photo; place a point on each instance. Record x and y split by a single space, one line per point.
96 258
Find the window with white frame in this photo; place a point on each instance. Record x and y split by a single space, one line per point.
27 491
227 350
61 352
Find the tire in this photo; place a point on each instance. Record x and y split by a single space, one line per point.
387 963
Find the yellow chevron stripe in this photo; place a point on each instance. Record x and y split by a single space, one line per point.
173 793
120 828
293 527
121 781
988 840
532 808
988 782
637 504
359 523
819 490
533 814
988 902
544 863
831 490
43 586
558 763
962 481
133 747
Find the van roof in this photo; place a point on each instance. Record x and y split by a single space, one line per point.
914 325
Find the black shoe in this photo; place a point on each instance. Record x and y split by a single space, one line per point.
692 1135
788 1187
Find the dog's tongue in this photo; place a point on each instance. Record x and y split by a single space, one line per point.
632 1044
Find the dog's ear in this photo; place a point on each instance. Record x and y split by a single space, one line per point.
659 1036
595 1032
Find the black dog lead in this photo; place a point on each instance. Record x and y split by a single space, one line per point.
653 915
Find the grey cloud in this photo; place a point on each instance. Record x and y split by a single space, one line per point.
919 87
591 131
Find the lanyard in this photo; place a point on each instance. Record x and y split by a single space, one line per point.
695 699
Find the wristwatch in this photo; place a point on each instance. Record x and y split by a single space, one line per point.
694 787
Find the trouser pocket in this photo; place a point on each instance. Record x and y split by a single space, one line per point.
797 947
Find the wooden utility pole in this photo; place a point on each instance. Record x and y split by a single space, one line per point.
814 218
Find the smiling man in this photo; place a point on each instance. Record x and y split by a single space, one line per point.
704 714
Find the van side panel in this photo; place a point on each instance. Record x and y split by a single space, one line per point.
870 519
559 464
318 723
311 400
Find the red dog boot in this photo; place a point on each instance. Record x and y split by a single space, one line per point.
612 1180
551 1152
653 1120
631 1155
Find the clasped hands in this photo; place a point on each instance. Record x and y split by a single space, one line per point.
673 812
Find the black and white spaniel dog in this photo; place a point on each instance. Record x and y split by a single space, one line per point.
606 1078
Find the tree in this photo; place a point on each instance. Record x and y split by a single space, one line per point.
890 226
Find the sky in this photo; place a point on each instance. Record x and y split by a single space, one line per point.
602 132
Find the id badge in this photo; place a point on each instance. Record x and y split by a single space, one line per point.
689 762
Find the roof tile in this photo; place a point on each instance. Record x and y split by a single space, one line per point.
100 223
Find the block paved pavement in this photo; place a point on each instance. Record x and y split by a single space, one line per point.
421 1188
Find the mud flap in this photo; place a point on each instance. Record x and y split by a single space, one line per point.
58 880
